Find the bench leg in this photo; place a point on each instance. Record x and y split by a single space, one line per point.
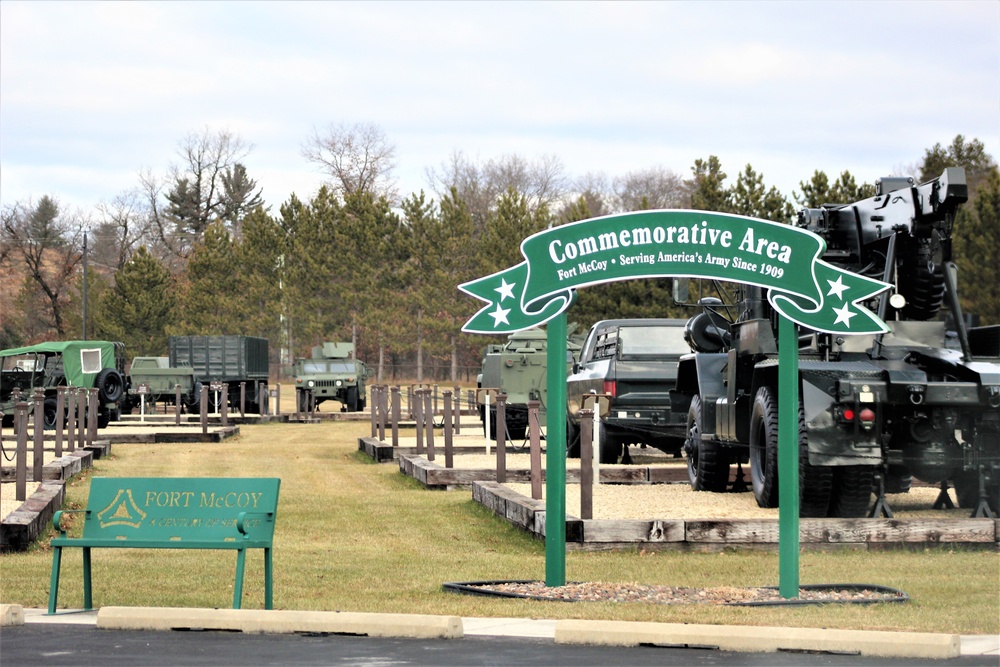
88 601
268 581
241 557
54 583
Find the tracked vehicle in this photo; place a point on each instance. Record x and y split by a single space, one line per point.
876 411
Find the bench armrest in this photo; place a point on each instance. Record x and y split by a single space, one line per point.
57 519
242 516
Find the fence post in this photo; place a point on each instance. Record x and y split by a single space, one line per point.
501 431
224 407
429 424
383 407
535 440
60 418
374 410
418 419
435 410
394 392
177 405
277 399
243 399
21 466
92 413
586 464
448 454
70 418
82 407
38 449
458 410
203 410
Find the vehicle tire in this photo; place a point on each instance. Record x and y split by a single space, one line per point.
572 439
967 491
852 491
764 448
611 446
352 399
897 480
708 463
103 419
516 429
110 385
49 414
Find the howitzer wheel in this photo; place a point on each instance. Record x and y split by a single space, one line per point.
967 491
852 491
708 463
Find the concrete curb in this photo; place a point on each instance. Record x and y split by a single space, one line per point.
416 626
11 614
759 638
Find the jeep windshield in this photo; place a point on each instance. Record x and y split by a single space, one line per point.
652 341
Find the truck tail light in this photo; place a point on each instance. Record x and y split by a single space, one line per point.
611 387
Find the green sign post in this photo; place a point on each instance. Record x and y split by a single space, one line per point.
802 288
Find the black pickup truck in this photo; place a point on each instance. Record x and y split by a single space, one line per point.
634 361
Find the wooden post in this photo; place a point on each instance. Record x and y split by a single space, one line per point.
395 416
277 399
262 393
374 402
38 449
60 418
449 461
429 424
415 411
409 401
92 412
21 465
458 410
435 410
501 431
224 407
81 416
586 464
383 400
204 410
243 399
535 440
70 418
177 405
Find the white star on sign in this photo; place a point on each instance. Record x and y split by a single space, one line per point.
837 288
500 315
506 289
844 315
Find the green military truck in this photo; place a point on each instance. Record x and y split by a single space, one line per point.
332 374
236 361
160 380
74 363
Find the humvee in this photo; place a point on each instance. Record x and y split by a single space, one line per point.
332 374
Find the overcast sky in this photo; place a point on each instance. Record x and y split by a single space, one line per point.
90 93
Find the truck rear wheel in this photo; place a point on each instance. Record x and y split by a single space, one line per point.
852 491
49 414
708 463
611 445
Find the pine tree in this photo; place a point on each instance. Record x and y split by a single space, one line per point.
977 237
138 310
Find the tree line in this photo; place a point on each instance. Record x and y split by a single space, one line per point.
196 250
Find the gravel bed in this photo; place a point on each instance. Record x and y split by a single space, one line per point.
725 595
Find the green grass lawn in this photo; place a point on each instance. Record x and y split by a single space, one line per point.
353 535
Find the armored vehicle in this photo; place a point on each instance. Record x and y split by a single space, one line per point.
634 362
875 411
332 374
76 363
234 360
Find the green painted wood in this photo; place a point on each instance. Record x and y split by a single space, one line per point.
225 513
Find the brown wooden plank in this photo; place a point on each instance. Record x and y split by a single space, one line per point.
922 530
634 531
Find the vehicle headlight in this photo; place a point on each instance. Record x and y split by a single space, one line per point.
340 383
310 384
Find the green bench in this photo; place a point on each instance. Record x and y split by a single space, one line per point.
174 513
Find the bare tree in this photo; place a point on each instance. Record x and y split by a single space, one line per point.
45 243
652 188
358 158
207 185
123 226
479 185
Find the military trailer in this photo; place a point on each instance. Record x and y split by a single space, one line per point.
332 374
234 360
75 363
160 380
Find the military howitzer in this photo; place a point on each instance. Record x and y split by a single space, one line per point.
875 411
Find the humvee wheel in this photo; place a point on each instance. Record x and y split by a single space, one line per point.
708 464
352 399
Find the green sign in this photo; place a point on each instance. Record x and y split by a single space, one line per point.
698 244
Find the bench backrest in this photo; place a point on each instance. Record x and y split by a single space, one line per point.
181 509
